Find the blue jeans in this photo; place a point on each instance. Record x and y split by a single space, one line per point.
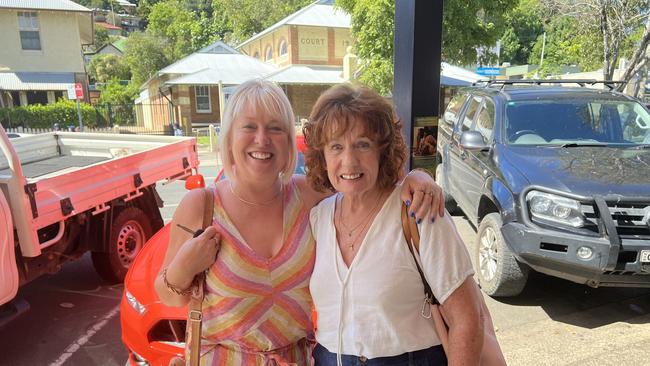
433 356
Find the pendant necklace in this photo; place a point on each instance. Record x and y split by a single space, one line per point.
265 203
363 224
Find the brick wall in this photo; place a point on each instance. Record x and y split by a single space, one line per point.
303 97
214 102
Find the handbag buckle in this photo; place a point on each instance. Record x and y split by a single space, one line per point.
426 308
195 315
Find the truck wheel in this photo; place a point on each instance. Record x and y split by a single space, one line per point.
131 229
499 272
450 203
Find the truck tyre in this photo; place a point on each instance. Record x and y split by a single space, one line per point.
130 231
450 203
499 272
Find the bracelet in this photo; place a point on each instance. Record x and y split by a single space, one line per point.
175 289
423 170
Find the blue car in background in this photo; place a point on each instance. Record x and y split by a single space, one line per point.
555 178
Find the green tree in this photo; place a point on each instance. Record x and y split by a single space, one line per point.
186 30
145 54
469 25
566 44
116 102
524 28
172 20
115 92
103 68
466 27
373 29
101 37
620 28
244 18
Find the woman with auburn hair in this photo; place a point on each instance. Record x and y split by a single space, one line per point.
257 306
366 287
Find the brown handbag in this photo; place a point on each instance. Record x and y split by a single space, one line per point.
195 316
491 354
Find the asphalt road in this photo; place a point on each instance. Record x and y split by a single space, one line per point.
74 319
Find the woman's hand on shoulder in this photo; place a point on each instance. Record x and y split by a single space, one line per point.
422 195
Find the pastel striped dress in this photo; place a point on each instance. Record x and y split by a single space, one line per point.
257 311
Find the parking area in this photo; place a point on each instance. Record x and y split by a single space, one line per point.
553 322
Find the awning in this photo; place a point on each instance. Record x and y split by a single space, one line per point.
230 69
451 75
307 75
36 80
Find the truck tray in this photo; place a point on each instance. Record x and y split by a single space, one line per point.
55 164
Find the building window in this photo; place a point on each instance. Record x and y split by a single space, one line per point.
268 53
202 96
283 47
30 38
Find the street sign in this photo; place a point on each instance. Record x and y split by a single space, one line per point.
71 92
79 91
488 71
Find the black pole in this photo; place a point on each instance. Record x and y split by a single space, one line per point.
417 54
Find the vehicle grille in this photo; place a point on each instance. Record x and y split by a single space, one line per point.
631 219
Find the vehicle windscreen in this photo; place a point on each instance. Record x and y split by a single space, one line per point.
575 122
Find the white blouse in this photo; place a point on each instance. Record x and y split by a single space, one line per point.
373 308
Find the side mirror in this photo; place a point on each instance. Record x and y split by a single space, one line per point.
473 141
194 182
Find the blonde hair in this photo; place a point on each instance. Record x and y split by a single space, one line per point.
260 96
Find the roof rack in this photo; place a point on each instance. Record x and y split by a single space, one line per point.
582 82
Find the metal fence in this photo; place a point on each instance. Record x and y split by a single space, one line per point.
150 119
114 129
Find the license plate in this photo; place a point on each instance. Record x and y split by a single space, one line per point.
645 256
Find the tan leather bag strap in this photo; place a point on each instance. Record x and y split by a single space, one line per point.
412 236
195 316
491 354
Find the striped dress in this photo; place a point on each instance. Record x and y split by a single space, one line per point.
257 311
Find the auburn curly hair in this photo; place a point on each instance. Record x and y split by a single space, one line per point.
335 113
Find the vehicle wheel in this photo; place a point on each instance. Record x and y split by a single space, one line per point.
450 203
499 272
131 229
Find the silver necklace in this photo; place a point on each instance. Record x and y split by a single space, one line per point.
363 224
265 203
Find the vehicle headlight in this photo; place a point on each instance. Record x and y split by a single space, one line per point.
554 208
135 304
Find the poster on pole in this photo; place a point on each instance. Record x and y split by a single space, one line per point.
72 94
79 91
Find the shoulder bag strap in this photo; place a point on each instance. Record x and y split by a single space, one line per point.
195 316
412 236
431 306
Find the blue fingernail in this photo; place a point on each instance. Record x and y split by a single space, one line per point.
412 214
419 221
408 203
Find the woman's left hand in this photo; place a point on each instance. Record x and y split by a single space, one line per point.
422 196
